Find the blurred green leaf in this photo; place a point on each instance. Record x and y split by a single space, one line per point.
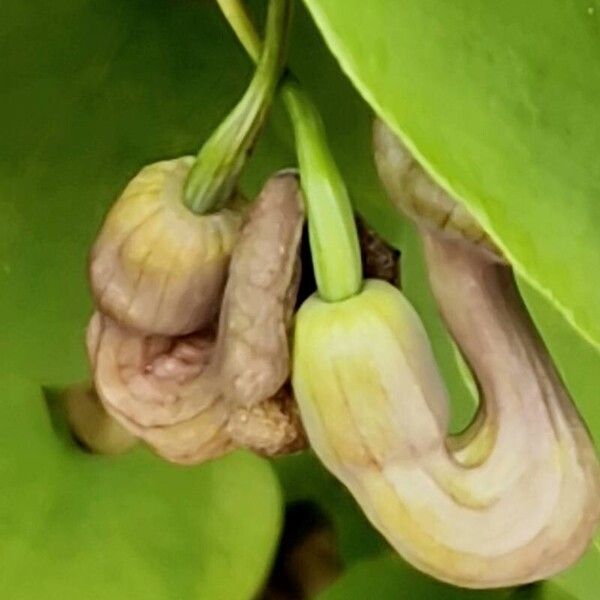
77 525
582 581
500 103
388 578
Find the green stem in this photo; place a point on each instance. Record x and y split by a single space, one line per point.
332 230
214 174
240 22
331 227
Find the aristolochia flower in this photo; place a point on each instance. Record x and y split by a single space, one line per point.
514 498
197 396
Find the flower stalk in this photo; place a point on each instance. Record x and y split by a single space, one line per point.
332 230
214 174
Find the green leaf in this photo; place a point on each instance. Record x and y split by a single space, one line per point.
388 578
582 581
77 525
500 103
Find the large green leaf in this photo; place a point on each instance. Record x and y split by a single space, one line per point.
500 102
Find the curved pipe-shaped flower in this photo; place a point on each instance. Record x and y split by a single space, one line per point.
156 266
188 396
516 497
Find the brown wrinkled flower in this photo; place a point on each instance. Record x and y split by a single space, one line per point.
198 396
155 265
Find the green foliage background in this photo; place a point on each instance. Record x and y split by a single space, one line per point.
91 90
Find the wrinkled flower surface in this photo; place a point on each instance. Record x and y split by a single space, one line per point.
198 396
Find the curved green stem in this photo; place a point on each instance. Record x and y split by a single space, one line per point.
213 176
332 230
240 22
